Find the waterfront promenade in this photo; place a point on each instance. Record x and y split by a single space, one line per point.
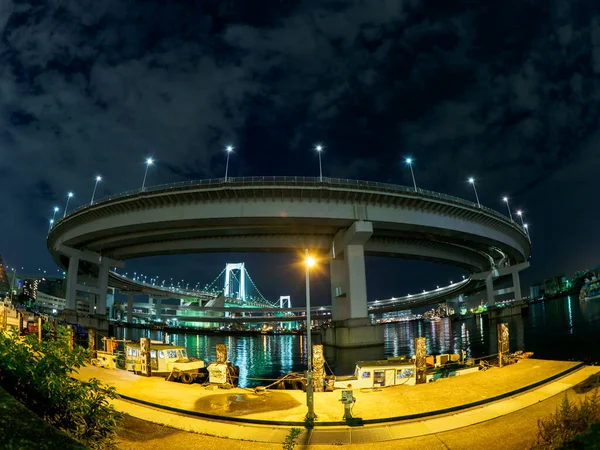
391 406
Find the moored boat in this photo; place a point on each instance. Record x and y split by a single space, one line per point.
164 358
590 290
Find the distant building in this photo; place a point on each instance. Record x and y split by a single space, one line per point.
4 283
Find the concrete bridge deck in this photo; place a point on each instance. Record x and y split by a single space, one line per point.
502 391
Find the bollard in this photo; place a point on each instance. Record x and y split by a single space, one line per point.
503 349
3 318
145 351
71 337
420 359
20 322
39 328
318 368
92 342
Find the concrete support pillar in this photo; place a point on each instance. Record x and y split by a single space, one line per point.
339 302
349 314
489 289
103 287
357 281
130 308
71 294
348 276
517 285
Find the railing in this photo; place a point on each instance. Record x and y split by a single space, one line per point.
302 181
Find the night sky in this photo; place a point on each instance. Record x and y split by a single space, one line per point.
505 91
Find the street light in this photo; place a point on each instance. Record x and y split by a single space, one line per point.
149 162
229 149
409 162
520 214
472 181
526 229
69 195
319 149
51 222
310 415
55 211
98 178
508 206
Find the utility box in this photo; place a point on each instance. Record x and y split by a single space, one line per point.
348 400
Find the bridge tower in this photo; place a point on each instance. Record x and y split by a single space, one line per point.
285 299
352 326
241 295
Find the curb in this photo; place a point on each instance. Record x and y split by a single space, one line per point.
362 422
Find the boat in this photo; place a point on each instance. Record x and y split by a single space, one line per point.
164 358
590 290
402 371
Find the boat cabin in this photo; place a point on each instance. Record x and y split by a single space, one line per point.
380 373
163 359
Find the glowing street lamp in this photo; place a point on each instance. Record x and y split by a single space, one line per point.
51 223
409 161
520 214
69 195
149 162
310 415
526 229
319 149
55 210
508 206
472 181
98 178
229 149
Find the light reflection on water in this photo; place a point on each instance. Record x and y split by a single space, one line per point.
564 329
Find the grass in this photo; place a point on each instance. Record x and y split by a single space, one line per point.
20 429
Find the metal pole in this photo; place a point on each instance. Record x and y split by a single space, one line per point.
476 196
227 166
509 213
94 191
66 206
309 378
54 215
145 175
320 170
413 176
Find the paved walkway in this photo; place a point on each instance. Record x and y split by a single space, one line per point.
395 401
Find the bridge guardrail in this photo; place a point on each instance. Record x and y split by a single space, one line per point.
303 181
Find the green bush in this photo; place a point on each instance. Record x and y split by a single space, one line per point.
569 420
39 375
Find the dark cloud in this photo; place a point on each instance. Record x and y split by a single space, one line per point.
505 92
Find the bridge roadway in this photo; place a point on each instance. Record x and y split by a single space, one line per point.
341 220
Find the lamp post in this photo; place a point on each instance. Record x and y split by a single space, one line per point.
319 149
55 211
310 415
508 206
472 181
409 162
149 162
520 214
98 178
69 195
51 223
229 149
526 230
